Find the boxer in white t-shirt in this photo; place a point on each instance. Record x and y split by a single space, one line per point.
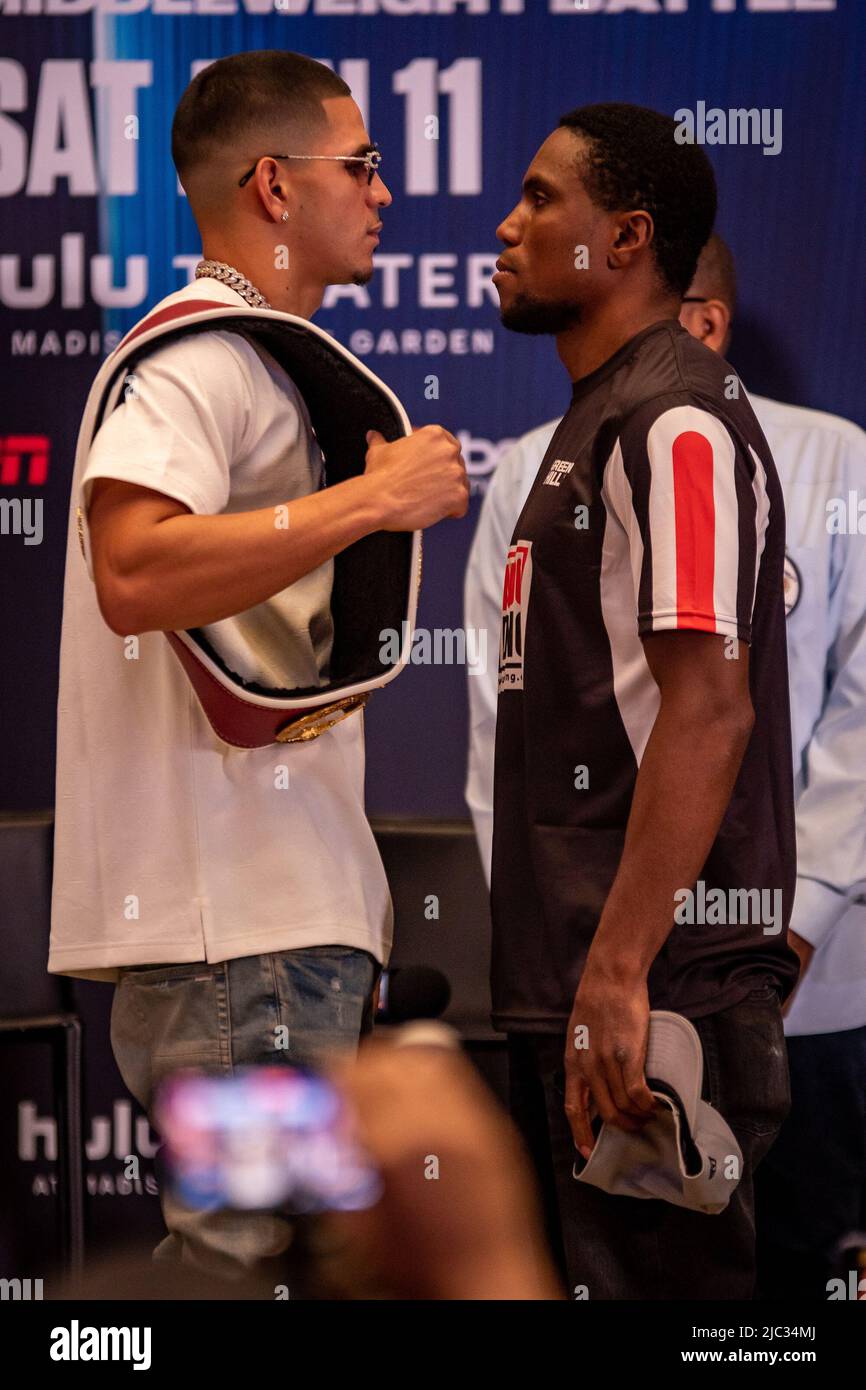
243 915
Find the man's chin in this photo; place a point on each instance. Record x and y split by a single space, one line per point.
363 277
526 315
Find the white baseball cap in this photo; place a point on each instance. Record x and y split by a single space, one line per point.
686 1154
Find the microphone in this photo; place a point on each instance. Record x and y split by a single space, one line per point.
412 991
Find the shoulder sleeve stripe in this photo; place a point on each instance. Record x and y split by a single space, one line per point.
694 528
694 521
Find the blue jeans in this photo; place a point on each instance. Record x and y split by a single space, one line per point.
295 1007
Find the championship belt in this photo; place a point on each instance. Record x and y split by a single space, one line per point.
375 581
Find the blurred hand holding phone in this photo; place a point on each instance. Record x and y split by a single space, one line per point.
417 1177
262 1139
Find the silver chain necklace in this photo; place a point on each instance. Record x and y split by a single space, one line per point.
218 270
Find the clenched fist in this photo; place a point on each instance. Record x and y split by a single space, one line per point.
417 480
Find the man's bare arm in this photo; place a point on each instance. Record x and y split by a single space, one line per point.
158 567
683 788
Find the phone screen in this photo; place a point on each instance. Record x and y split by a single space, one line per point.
260 1139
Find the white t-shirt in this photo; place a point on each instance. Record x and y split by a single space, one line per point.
171 845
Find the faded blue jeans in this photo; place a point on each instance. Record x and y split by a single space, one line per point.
236 1013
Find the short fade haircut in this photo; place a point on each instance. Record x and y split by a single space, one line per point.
716 272
633 161
249 92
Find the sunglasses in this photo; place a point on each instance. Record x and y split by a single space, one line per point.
371 161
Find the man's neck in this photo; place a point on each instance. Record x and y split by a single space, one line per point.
281 288
589 344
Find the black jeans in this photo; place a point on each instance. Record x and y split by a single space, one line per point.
625 1247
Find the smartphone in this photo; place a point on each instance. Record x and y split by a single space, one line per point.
261 1139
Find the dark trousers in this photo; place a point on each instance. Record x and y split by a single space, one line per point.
625 1247
811 1193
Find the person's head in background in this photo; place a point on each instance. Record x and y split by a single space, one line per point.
291 226
608 230
711 299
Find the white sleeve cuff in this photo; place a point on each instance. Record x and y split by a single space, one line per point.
817 909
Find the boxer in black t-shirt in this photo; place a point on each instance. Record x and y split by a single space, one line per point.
643 846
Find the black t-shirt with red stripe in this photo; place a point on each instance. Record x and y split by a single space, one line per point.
656 507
